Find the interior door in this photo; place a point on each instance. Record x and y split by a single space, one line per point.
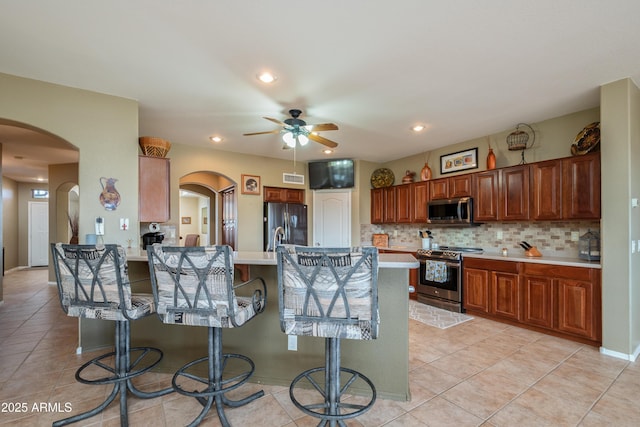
332 218
38 234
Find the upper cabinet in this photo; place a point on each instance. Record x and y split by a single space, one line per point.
485 195
514 193
546 190
153 189
448 188
581 187
283 195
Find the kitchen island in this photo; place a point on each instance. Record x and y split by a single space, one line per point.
384 360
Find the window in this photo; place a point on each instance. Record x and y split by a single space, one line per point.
39 194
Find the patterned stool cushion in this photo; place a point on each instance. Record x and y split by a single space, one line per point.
329 293
194 286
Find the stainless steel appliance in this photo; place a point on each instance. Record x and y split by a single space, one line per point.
284 223
440 281
148 239
457 211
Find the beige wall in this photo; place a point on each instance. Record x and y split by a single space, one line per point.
620 103
553 140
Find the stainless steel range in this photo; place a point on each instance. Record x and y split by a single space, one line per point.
440 281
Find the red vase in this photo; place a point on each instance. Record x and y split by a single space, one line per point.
491 160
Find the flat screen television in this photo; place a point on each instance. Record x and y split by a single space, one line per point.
324 174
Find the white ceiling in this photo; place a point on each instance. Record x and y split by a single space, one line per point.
464 68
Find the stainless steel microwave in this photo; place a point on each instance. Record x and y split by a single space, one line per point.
457 211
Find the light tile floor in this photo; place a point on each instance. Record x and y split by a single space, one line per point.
477 373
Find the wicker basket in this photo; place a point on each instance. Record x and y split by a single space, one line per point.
154 147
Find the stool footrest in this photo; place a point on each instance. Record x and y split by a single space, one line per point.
114 376
331 408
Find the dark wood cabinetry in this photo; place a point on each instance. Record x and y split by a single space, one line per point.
283 195
153 189
420 198
400 204
486 196
562 300
377 205
581 187
546 190
514 193
448 188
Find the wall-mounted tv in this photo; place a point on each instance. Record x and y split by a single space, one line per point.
325 174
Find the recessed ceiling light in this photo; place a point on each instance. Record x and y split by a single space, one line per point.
418 128
215 138
327 151
266 77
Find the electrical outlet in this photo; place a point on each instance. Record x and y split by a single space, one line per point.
395 233
292 342
499 234
575 236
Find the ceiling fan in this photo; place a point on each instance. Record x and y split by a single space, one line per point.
295 130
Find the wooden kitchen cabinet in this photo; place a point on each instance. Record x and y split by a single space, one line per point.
404 203
420 197
486 196
546 190
514 193
283 195
505 294
562 300
377 205
448 188
539 300
581 187
475 295
389 204
153 189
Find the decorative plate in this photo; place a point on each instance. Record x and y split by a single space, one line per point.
382 177
587 139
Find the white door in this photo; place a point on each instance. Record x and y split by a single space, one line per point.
332 218
38 234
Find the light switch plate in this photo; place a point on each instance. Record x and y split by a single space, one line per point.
575 236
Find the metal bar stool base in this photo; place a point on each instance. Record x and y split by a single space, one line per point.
215 386
120 374
331 410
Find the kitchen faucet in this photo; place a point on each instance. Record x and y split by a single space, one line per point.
276 240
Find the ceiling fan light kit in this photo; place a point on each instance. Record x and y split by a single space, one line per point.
296 131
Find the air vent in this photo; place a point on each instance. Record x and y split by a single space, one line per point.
292 178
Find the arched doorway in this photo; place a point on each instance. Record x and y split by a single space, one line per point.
212 210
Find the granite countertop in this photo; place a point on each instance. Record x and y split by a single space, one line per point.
515 255
269 258
519 256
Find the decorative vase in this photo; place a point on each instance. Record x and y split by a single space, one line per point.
425 174
491 160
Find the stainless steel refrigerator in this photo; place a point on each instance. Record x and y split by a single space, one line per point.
291 217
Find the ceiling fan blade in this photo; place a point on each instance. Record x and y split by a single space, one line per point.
276 121
322 127
322 140
262 133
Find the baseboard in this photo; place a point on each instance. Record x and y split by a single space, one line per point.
631 357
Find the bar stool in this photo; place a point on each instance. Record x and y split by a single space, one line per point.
93 284
330 293
193 286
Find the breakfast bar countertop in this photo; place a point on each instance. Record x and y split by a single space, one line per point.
269 258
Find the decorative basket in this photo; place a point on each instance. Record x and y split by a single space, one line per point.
154 147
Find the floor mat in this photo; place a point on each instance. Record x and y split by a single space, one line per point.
434 316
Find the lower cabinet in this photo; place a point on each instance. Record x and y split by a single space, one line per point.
562 300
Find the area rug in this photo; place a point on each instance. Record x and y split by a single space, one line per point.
434 316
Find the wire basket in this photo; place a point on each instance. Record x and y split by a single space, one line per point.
154 147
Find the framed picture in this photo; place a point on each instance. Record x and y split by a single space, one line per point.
186 220
454 162
251 184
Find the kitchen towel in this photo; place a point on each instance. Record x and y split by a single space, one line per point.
436 271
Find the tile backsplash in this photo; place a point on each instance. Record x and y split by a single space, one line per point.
551 238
